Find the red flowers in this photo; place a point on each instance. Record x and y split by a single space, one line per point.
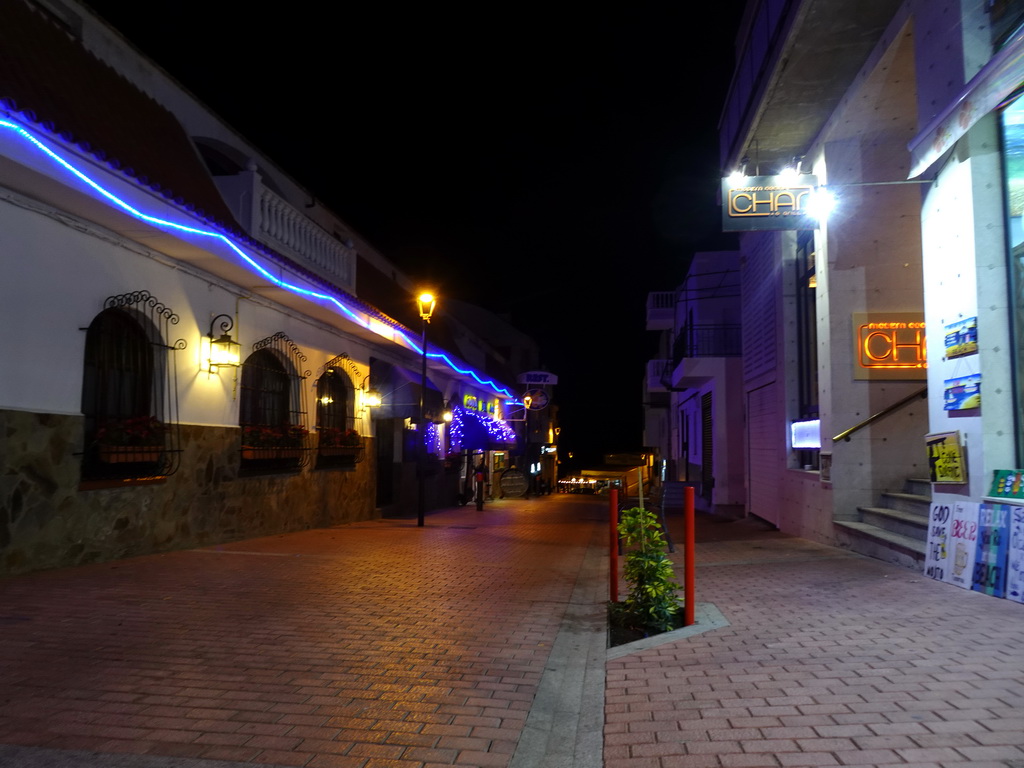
281 436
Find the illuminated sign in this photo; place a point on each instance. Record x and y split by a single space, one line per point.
889 345
538 378
768 202
805 434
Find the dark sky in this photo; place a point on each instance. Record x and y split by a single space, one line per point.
553 164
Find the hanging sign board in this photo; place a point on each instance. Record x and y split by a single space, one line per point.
946 458
538 378
755 203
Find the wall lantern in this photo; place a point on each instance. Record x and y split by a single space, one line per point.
222 351
371 397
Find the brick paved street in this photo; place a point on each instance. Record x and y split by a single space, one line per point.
365 645
829 659
478 641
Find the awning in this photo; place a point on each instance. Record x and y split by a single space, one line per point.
399 390
477 432
996 81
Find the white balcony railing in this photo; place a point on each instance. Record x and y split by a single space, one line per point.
282 227
661 307
272 220
658 372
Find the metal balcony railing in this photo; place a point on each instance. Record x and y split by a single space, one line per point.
707 341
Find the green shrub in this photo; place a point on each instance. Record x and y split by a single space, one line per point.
652 603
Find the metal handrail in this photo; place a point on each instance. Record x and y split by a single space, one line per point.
845 435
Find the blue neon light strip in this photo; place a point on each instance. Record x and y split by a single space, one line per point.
304 292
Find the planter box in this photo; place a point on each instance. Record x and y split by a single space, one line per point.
124 454
342 450
270 453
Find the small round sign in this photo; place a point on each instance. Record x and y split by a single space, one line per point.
535 399
513 483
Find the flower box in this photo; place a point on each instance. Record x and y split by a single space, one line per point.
341 450
123 454
250 453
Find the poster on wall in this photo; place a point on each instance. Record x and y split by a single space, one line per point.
962 338
989 573
1015 555
963 538
962 393
1007 484
937 551
946 458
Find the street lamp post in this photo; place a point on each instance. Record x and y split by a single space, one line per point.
426 302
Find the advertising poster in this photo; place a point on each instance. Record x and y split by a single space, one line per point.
993 536
946 458
1015 556
936 555
1007 484
962 338
962 393
963 539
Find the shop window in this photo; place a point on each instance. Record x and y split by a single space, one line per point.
1013 169
271 412
129 395
807 338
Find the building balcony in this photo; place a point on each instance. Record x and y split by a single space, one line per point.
707 341
272 220
661 310
657 375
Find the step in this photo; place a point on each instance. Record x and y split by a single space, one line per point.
907 502
920 486
880 544
897 521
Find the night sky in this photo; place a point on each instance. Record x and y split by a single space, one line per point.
551 164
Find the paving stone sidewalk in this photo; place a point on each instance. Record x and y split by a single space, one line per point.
828 659
479 641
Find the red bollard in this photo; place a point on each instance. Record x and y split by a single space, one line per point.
688 550
613 544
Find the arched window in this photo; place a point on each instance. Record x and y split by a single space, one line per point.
334 401
271 412
339 444
265 384
129 399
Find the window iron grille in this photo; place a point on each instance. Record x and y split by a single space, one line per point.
272 406
130 390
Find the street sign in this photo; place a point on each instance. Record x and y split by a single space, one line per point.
535 399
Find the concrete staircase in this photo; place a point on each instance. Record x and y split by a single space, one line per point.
895 531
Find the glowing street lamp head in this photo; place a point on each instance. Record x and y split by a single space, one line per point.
426 302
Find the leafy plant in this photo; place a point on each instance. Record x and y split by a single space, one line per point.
132 431
266 436
336 437
652 603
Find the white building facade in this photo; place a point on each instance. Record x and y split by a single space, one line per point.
693 392
137 231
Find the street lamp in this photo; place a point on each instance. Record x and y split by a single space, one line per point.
426 302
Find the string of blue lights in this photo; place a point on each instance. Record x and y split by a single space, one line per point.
40 145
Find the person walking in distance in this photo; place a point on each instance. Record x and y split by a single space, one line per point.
480 477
